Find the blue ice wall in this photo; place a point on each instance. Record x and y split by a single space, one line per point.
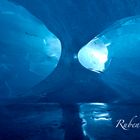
29 52
115 53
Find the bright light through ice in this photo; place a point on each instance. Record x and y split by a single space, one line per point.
101 58
94 55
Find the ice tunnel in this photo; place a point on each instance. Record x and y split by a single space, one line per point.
115 53
81 94
29 52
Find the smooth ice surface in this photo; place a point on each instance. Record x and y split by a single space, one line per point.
123 72
29 52
94 55
115 52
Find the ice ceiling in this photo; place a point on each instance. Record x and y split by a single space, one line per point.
29 52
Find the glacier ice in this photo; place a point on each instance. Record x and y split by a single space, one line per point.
29 51
119 51
123 72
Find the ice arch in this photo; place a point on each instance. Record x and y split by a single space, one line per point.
29 51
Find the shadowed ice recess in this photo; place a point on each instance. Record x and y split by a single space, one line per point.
29 52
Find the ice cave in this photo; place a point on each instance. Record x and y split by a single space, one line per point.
69 69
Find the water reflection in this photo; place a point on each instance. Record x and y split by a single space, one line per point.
84 121
96 120
31 122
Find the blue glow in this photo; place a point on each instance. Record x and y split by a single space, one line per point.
122 73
